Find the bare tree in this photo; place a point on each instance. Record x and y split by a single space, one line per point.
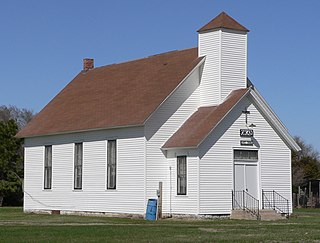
307 150
21 116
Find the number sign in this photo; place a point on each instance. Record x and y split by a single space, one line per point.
246 133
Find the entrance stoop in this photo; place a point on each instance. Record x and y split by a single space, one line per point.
242 214
266 215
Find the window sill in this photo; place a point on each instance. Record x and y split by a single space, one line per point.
111 190
47 190
181 195
77 190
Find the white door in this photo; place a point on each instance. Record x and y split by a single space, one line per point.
246 178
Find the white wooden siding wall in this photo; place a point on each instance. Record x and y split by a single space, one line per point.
225 68
233 62
216 160
32 167
185 204
216 167
275 157
167 119
129 197
210 46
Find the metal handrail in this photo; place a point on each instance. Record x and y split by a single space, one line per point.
265 200
275 201
243 200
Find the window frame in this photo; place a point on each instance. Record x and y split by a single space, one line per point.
47 167
77 166
184 175
111 167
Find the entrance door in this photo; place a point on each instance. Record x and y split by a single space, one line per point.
246 172
246 178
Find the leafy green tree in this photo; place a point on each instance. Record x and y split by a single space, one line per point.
11 159
305 164
12 119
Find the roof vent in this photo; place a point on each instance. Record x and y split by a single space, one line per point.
88 63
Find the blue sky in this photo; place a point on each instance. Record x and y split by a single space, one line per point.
43 43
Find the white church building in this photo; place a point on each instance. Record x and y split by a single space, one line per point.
190 119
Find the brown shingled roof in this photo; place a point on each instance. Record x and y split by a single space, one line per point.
223 20
117 95
201 123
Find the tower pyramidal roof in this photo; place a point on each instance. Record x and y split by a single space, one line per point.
224 21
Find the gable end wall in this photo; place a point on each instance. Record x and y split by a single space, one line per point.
216 160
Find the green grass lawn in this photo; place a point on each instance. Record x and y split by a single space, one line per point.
15 226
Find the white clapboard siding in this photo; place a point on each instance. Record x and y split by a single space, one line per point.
216 168
225 67
233 61
210 46
31 167
166 120
216 160
184 204
275 158
129 197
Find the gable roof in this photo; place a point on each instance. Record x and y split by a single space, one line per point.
202 122
116 95
195 130
223 20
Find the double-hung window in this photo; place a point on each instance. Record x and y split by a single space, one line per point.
182 175
78 155
111 164
47 167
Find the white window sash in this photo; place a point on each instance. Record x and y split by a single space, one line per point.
111 164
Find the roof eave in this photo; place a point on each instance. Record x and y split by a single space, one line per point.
79 131
200 31
176 148
274 120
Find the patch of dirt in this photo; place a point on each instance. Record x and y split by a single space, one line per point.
211 230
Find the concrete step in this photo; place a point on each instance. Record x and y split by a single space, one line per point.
268 215
242 214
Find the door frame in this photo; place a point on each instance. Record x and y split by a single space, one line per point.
246 162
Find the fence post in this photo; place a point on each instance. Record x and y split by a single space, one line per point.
243 207
258 211
159 216
274 203
262 199
299 195
232 199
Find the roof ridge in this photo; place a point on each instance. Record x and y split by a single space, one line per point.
114 95
142 58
